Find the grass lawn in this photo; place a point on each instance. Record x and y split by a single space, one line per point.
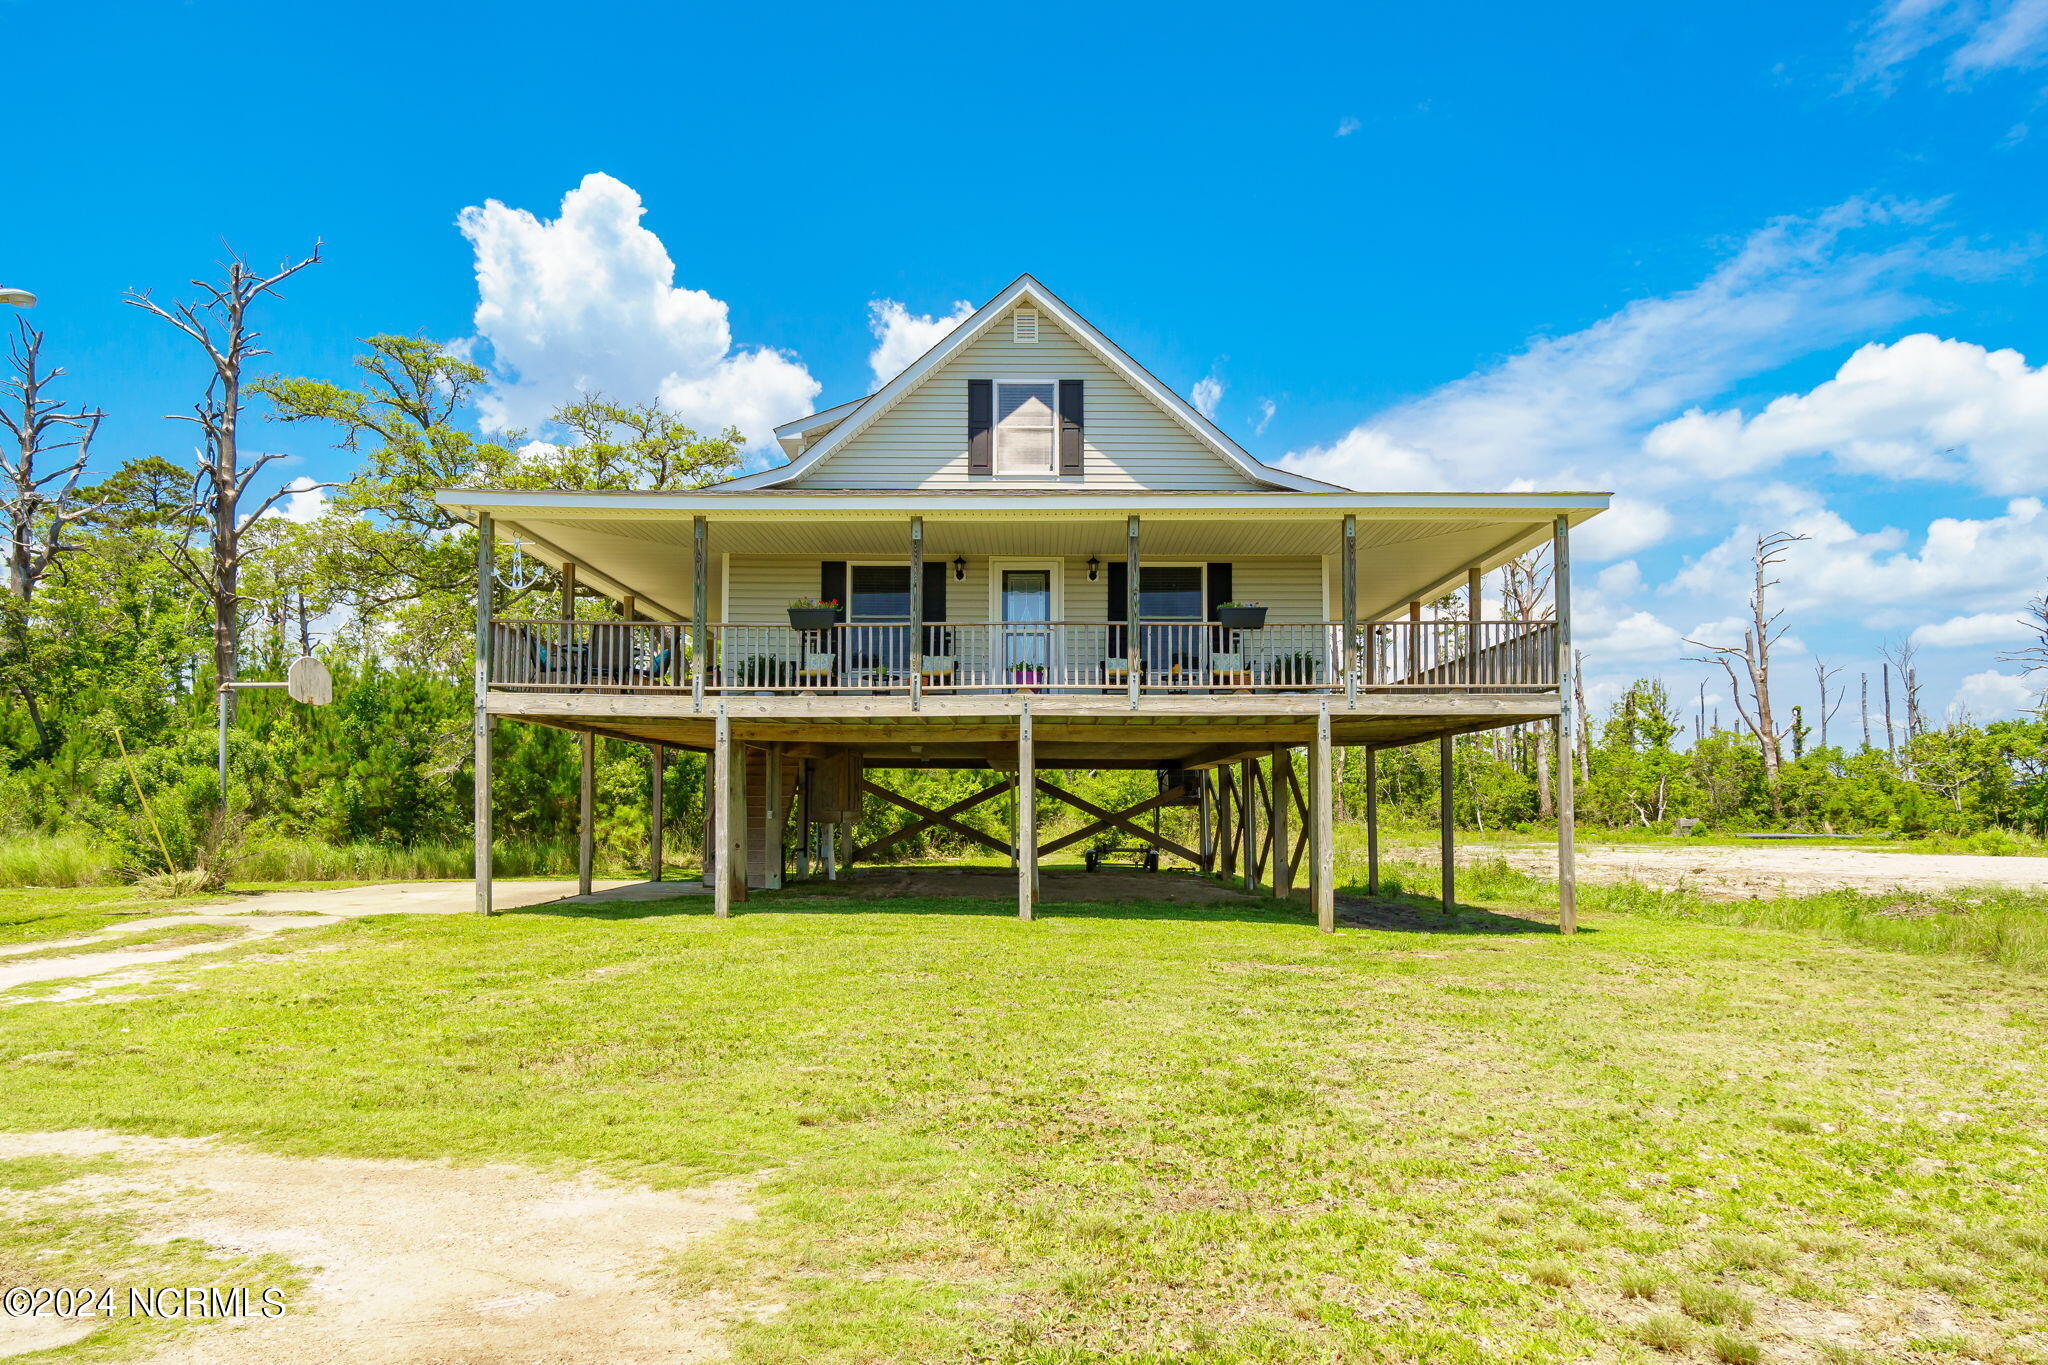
1150 1132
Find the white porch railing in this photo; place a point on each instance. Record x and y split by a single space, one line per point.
1054 656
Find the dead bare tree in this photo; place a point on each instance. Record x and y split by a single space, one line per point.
39 494
1754 653
219 323
1823 675
2034 656
1901 657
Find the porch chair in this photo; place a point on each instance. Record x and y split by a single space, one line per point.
818 669
938 670
1228 670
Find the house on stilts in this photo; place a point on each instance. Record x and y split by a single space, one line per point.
1033 557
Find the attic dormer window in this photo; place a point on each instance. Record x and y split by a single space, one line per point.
1024 327
1025 424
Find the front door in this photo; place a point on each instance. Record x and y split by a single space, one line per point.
1027 613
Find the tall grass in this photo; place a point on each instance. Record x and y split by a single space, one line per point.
56 860
80 860
1992 924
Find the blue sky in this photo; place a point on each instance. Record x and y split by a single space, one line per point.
1476 246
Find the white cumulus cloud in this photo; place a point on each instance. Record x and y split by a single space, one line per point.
1919 407
1981 628
1207 393
1992 695
901 336
588 302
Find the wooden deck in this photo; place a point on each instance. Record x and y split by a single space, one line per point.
1085 731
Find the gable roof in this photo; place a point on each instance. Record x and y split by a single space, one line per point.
842 423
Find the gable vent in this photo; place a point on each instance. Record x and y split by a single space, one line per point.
1024 327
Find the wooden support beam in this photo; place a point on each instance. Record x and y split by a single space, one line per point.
777 816
803 819
927 817
657 853
1027 817
1283 874
1446 804
726 757
1227 823
1372 821
1205 826
1568 721
1322 866
480 716
1248 822
586 811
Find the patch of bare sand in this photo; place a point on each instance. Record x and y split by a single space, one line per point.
415 1262
1773 869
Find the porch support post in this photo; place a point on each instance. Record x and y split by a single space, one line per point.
586 810
1248 818
1205 815
718 793
1475 607
1133 631
480 717
568 590
1322 847
1350 653
917 613
700 607
1027 816
1567 729
1372 821
1447 835
1283 876
777 816
657 852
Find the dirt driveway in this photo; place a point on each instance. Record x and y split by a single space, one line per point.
98 962
407 1261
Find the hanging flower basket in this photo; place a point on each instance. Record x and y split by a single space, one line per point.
812 614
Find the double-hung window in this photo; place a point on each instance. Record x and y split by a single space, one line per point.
1026 428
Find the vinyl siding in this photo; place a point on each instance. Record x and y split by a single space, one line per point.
1130 443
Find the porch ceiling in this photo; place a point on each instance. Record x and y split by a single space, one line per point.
1399 559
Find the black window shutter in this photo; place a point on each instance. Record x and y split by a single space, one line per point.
1072 426
936 572
832 584
1119 588
1219 588
981 423
1218 592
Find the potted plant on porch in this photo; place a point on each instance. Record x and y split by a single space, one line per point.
1242 615
811 613
1026 676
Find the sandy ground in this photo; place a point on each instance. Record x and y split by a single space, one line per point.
1771 869
276 912
411 1262
1111 885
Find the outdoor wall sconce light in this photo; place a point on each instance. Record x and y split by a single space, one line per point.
959 568
1094 567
